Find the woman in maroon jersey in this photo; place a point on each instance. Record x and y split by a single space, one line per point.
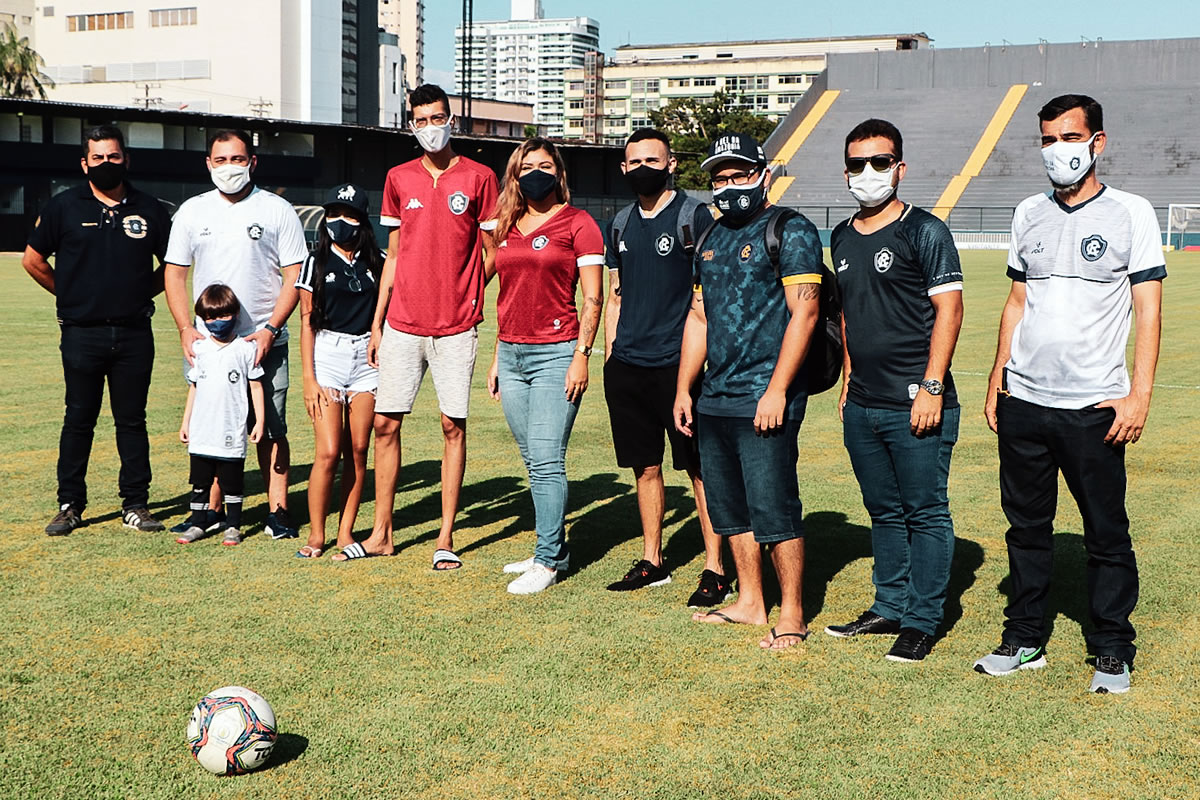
544 248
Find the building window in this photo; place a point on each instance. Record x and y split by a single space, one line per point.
100 22
616 84
646 85
788 99
793 79
170 17
575 86
677 83
704 82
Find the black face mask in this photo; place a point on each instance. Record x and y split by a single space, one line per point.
341 231
646 181
537 184
106 175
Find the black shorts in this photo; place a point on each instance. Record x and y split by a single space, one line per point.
641 404
230 475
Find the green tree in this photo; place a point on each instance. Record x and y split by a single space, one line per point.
21 73
692 123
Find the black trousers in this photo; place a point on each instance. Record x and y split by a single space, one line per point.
1037 442
124 357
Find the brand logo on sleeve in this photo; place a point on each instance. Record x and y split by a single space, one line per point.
458 203
135 226
255 231
540 242
883 260
664 244
1093 247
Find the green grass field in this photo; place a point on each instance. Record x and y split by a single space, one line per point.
391 681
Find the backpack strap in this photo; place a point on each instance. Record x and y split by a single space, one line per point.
683 225
773 234
619 223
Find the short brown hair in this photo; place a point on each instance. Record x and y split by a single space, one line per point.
217 300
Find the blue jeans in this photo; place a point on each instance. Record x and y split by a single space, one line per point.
903 480
533 381
750 480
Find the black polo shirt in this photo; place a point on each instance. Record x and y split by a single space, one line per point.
656 283
348 291
104 257
886 279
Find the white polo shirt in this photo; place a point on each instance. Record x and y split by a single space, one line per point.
217 427
1078 264
242 245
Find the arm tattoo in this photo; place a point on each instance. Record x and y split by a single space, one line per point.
809 291
589 319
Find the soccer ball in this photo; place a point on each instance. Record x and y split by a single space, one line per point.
232 730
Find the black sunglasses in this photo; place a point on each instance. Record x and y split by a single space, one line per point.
879 163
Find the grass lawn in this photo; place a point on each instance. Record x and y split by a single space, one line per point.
392 681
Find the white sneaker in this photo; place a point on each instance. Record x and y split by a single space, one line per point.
519 567
534 580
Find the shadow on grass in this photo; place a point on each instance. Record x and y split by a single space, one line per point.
1068 584
288 747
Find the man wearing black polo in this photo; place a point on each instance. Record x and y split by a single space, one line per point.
105 236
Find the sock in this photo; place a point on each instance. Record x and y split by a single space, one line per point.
199 507
233 512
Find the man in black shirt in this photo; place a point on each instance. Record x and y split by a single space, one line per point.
898 270
648 249
105 236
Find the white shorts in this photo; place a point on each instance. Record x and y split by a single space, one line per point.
340 364
403 358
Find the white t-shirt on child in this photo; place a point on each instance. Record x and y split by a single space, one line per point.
217 428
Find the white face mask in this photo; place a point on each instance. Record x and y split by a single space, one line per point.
871 188
434 138
230 178
1067 162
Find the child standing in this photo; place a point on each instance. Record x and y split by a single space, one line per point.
214 421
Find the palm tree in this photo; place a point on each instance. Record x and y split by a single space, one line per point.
21 73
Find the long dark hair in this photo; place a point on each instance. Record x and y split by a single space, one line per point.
363 244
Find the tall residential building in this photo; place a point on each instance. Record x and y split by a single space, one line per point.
406 20
605 102
522 59
315 60
19 14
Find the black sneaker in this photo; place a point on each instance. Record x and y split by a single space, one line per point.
279 525
140 519
66 520
714 589
642 575
867 622
911 645
213 520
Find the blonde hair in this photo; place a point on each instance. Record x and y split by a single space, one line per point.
511 204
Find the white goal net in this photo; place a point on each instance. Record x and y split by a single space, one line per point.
1183 225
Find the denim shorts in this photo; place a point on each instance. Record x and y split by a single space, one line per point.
340 364
750 480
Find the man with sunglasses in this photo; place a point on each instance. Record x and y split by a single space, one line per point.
753 321
1083 258
901 284
430 302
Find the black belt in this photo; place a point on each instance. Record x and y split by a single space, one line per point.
135 321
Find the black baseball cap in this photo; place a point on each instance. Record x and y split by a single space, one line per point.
347 194
734 147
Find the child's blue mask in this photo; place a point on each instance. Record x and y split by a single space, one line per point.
221 329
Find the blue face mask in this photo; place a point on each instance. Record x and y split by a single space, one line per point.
221 329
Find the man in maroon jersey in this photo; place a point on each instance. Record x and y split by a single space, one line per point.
430 301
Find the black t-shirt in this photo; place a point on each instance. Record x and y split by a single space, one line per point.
656 284
103 256
349 292
886 279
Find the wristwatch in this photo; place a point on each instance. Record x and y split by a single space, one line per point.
933 386
274 331
584 349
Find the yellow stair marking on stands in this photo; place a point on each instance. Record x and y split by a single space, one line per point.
983 149
806 126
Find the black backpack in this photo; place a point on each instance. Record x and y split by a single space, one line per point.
683 231
825 351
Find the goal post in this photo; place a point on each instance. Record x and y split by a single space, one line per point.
1183 225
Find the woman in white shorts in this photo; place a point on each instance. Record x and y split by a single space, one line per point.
339 288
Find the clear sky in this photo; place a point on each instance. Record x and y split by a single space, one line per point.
951 23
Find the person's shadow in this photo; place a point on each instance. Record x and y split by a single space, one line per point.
1068 584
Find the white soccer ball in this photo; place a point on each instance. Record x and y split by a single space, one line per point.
232 730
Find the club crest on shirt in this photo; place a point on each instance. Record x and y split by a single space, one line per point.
255 231
234 376
883 260
135 226
540 242
707 255
746 252
664 244
1093 247
458 203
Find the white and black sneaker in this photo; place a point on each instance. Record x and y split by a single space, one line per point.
279 525
1008 658
644 573
868 622
66 520
140 519
1112 676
